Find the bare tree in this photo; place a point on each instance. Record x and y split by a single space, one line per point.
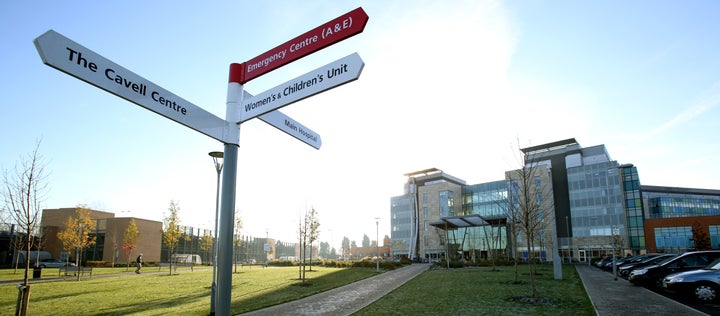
313 232
530 207
24 193
111 238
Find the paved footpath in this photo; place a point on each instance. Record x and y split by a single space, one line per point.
619 297
347 299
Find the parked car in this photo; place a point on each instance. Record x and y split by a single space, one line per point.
702 284
619 261
54 263
653 275
604 261
625 269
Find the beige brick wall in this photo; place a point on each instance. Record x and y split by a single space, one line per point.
149 239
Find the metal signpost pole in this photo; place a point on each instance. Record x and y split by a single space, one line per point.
227 205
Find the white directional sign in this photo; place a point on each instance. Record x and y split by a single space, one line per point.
72 58
291 127
324 78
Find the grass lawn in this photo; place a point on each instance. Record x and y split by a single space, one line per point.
465 291
481 291
186 293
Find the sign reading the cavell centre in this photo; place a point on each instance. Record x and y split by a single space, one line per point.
72 58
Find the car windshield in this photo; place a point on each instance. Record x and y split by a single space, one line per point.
715 265
666 260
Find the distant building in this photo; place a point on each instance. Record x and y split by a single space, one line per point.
371 251
597 206
109 233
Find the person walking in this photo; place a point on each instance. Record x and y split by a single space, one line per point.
139 262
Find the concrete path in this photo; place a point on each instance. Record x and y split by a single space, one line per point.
347 299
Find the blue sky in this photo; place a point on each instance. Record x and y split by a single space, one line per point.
454 87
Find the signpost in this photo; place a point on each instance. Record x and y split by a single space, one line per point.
336 30
72 58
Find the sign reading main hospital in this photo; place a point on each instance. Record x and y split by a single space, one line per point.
72 58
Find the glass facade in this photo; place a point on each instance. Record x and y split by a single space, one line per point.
674 239
447 203
714 236
596 199
684 206
488 200
401 224
633 207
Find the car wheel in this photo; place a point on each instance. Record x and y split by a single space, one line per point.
705 292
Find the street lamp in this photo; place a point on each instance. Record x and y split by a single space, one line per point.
614 262
567 231
589 255
377 244
217 157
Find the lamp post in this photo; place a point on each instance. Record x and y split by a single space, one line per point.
567 231
614 263
377 244
217 157
592 219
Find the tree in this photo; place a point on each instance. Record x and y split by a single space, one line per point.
324 250
24 192
313 229
76 234
206 244
531 205
309 231
172 231
130 238
345 247
366 241
700 237
237 240
111 238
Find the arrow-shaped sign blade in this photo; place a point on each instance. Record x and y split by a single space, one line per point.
291 127
334 74
336 30
74 59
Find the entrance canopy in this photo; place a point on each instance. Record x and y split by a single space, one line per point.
474 220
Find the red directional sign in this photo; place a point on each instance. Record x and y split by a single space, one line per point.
342 27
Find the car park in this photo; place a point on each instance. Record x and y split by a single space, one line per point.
624 270
54 263
702 285
653 275
619 261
